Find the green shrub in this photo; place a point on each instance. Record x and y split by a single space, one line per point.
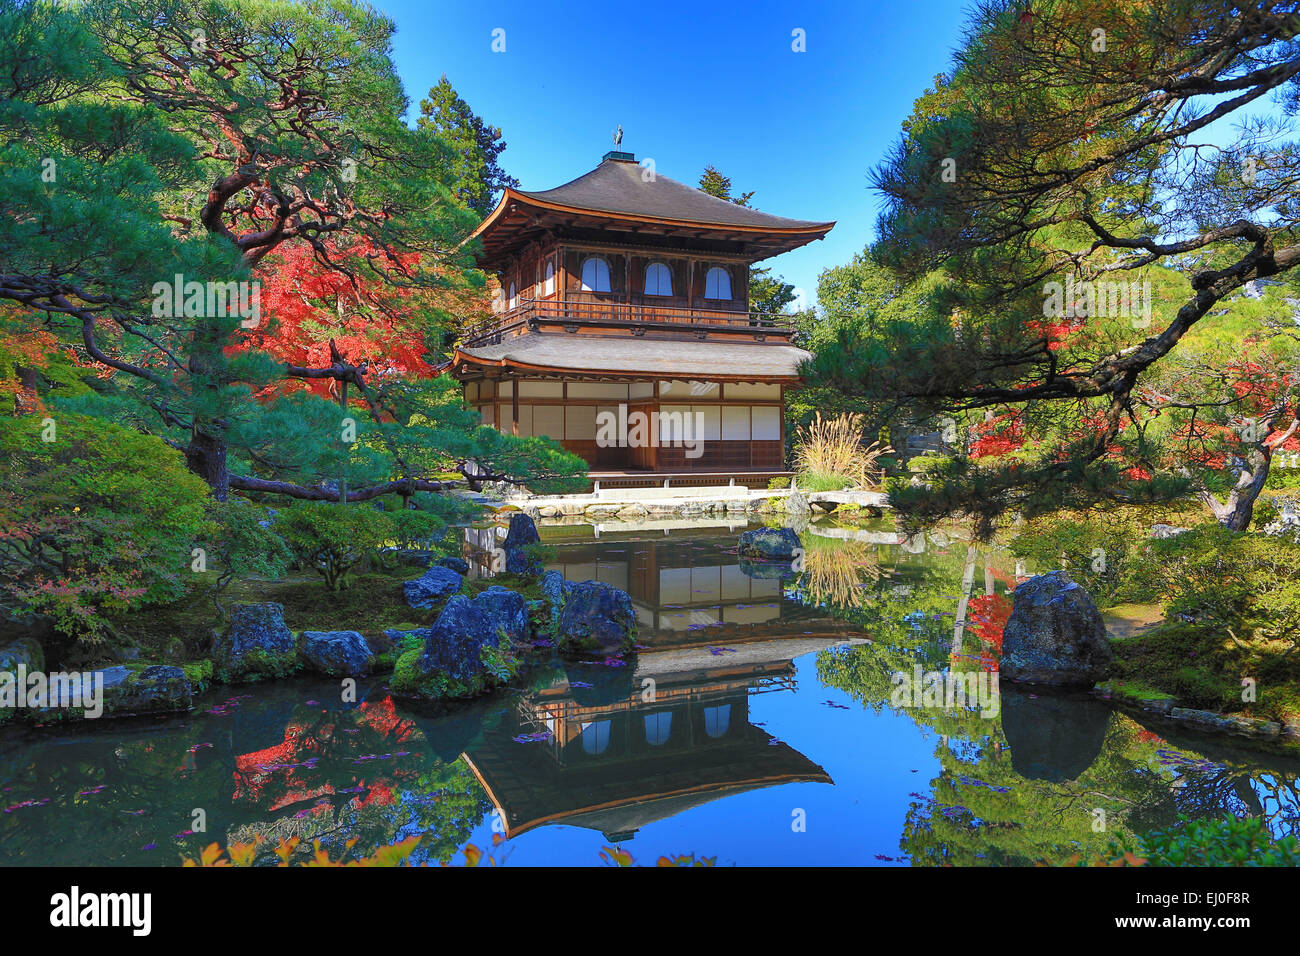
417 529
244 544
927 463
1230 841
334 538
820 481
778 483
1244 584
1106 553
95 520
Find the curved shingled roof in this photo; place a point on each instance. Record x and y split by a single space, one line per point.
566 352
619 186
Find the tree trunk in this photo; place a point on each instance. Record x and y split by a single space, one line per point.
1236 512
206 457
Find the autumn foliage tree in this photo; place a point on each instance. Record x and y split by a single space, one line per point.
165 160
1079 142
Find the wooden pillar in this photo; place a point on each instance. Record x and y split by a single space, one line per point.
783 427
514 407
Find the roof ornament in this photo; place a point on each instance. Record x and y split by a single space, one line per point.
618 136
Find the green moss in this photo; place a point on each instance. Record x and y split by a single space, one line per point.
258 665
387 660
500 664
200 674
529 587
1135 691
409 681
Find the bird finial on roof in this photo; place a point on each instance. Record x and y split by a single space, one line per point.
618 136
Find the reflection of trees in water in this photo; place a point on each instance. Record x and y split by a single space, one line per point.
1024 789
317 785
982 810
841 573
353 787
1203 788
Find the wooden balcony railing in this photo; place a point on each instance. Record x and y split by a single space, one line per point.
631 315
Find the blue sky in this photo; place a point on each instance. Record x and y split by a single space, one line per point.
692 84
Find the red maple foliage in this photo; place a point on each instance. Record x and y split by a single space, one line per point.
306 305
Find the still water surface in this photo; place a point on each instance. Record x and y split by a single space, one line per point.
769 737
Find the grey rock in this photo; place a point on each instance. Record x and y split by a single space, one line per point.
1055 634
1227 723
431 587
780 544
25 651
253 627
337 653
159 689
465 627
596 618
1162 531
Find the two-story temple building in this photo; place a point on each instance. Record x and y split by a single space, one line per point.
624 302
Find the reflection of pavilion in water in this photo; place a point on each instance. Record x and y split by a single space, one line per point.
625 747
685 591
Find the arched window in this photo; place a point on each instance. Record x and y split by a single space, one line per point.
717 284
595 737
658 728
548 278
595 275
513 299
717 720
658 280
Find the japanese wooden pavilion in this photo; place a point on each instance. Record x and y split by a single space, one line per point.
625 291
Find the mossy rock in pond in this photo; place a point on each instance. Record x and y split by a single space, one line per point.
771 544
257 645
337 653
123 692
596 619
414 679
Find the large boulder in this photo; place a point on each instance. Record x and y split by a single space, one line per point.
1055 634
797 505
256 644
777 544
520 539
158 689
431 587
455 643
596 619
337 653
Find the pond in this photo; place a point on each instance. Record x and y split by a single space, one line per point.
756 726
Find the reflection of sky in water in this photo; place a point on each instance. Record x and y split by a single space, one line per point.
731 759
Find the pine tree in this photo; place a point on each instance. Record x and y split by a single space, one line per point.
476 145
